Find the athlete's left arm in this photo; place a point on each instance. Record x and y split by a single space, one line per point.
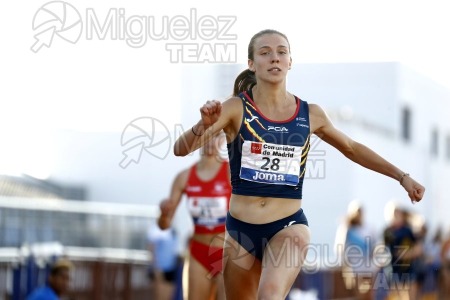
322 126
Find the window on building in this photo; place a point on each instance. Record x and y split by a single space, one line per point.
406 124
434 142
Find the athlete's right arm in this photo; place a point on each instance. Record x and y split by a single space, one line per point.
215 116
169 206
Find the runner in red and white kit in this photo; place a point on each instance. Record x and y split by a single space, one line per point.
207 187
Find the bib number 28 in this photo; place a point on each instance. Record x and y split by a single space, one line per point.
270 164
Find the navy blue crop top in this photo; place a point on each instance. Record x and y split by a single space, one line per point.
268 158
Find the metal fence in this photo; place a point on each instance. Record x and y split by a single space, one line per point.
106 241
99 274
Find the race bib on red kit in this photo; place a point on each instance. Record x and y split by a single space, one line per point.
270 163
208 211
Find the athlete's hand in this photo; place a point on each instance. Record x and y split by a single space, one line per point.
210 113
415 190
166 206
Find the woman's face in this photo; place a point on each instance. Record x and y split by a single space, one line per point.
272 58
400 217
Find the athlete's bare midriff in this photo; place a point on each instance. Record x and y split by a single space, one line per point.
210 239
261 210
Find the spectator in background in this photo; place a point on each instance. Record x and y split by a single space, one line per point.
57 282
164 267
355 243
429 264
445 259
405 250
419 264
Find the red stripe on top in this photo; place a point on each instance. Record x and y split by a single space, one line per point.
297 110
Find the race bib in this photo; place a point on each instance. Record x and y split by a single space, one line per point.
270 163
208 211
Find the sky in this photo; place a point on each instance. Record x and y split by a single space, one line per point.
89 82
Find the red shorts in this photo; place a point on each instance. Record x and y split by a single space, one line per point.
208 256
